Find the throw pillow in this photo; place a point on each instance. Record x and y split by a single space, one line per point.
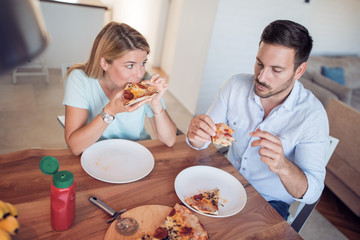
336 74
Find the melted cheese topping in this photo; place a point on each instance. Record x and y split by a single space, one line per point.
181 223
140 90
223 135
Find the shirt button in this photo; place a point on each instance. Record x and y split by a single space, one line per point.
245 158
243 169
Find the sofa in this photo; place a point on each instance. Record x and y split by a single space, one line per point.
324 88
343 169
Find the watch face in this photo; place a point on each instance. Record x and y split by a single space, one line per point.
107 117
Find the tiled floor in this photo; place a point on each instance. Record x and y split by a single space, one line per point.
28 112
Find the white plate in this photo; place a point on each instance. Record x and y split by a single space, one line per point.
117 161
194 180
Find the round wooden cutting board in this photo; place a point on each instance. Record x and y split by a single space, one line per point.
149 217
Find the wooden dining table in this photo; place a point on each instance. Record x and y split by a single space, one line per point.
24 185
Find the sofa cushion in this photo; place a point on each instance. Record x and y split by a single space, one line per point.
336 74
320 93
343 93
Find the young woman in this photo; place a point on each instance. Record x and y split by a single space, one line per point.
94 109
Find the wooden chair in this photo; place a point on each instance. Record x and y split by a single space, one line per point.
343 170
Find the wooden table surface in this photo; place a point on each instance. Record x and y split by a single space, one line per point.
24 185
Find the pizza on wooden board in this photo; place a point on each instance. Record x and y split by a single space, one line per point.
180 223
223 135
136 92
205 202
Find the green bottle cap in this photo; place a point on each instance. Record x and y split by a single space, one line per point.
63 179
49 165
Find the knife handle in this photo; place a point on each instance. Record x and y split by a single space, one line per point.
102 205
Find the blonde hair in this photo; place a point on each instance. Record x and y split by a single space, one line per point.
112 42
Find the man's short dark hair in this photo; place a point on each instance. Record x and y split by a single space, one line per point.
289 34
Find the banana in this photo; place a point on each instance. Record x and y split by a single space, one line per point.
13 210
10 225
4 210
4 235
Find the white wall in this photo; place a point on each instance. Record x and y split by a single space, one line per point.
72 32
149 18
335 27
333 24
235 40
186 47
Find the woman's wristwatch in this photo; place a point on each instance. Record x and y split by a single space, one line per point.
107 117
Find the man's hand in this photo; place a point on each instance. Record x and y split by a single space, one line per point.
200 130
272 154
271 151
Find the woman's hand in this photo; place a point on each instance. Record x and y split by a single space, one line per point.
160 84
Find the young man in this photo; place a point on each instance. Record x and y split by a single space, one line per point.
281 129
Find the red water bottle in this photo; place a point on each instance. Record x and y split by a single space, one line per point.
62 200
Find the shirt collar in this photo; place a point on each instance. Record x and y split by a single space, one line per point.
289 102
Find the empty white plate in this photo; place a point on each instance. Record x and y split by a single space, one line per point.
117 161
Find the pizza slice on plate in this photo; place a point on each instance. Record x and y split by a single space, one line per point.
136 92
181 223
223 135
205 202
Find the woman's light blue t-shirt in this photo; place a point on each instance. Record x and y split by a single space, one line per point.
84 92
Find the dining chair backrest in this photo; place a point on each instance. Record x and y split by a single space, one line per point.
303 211
64 68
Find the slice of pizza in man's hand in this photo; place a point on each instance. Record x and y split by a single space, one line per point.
223 135
136 92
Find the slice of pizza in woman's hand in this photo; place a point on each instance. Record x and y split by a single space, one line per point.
136 92
205 202
223 135
181 223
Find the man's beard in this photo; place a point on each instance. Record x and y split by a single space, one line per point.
274 92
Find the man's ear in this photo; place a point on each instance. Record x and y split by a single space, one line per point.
300 70
103 64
